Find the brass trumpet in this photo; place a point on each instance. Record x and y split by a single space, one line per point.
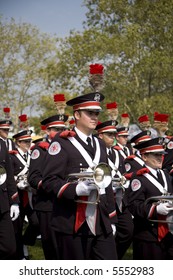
101 175
167 197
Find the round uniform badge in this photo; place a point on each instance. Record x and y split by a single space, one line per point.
35 154
170 145
54 148
127 167
135 185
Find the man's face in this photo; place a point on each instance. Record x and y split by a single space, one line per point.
86 120
108 138
122 139
153 160
4 133
24 145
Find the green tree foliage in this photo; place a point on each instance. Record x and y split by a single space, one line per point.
133 40
24 56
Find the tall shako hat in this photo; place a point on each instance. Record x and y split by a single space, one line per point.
143 118
154 145
6 111
96 76
161 117
89 101
112 105
60 102
125 115
23 121
125 119
5 124
140 137
107 126
55 121
112 110
23 135
122 131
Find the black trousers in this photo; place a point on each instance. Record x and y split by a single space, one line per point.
85 247
124 232
7 237
143 250
46 235
28 237
32 229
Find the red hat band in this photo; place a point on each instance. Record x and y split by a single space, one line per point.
93 105
24 137
5 125
107 129
55 124
152 149
122 133
143 138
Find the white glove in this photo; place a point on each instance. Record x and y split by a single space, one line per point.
113 229
14 212
85 187
163 208
22 185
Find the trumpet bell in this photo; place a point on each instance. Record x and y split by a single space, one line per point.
101 175
3 175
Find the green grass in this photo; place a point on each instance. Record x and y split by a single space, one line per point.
36 252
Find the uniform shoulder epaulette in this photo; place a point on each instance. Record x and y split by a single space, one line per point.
32 147
128 176
116 147
44 145
52 134
67 133
13 152
131 157
142 171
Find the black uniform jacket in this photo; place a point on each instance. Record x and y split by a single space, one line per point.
8 190
121 156
168 158
62 159
43 200
18 166
133 163
140 189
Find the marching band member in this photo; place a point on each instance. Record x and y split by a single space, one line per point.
121 146
4 131
152 237
44 201
124 226
9 208
20 159
134 161
82 230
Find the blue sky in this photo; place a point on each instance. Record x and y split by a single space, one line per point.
50 16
